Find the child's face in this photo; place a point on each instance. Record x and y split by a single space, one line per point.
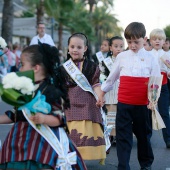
157 43
117 47
25 63
135 44
147 46
76 48
104 47
166 46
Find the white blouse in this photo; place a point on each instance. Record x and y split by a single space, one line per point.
158 54
128 63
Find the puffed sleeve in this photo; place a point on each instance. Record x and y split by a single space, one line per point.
11 115
95 79
113 76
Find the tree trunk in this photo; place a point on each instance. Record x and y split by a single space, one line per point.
40 12
7 21
91 4
60 32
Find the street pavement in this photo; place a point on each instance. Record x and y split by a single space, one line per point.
161 153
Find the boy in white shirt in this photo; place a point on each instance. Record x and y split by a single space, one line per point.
133 67
157 39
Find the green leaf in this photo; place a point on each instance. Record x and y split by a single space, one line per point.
28 74
15 98
1 89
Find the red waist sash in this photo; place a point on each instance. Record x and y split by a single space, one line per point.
164 80
133 90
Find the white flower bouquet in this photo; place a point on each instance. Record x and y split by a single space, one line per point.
3 44
154 88
17 88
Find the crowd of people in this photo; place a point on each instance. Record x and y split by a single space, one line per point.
86 95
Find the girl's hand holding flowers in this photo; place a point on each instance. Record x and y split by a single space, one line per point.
38 118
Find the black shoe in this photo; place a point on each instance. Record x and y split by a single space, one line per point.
146 168
168 144
113 140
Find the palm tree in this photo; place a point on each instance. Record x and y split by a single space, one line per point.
60 10
91 3
39 6
105 24
81 16
7 21
167 31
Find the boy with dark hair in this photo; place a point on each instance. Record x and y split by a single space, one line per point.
133 67
147 45
166 45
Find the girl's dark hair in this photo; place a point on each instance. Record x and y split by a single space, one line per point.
114 38
48 57
111 41
106 39
45 55
135 30
84 38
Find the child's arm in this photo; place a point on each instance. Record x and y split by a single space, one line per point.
100 102
5 119
49 120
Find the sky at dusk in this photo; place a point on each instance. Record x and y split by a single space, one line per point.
152 13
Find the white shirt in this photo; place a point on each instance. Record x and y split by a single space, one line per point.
128 63
13 59
45 39
168 52
158 54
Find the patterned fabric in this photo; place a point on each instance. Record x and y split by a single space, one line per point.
83 107
112 96
89 139
24 143
84 119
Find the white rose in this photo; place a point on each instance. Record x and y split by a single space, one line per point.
3 44
23 84
8 81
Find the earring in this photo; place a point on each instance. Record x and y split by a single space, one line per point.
68 52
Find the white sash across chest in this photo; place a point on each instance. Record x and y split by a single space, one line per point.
83 83
107 61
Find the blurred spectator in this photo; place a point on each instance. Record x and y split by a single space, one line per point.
3 62
17 52
42 36
11 58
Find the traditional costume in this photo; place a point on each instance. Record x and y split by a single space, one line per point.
84 118
24 148
134 70
163 102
